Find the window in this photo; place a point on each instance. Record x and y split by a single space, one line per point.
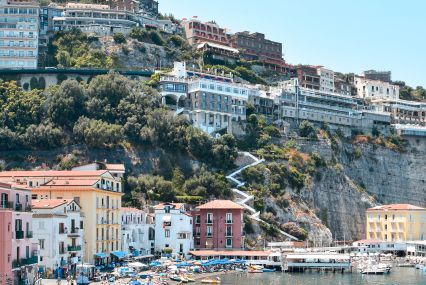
209 231
41 242
229 242
197 219
167 209
167 233
228 231
229 218
209 218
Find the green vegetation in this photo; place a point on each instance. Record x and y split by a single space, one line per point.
409 93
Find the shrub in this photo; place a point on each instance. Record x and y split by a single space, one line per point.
294 230
119 38
307 130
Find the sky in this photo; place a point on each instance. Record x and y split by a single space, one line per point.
343 35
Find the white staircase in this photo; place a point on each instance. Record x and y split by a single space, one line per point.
244 197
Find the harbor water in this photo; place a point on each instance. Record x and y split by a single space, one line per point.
398 276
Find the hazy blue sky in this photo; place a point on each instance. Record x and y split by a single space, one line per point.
344 35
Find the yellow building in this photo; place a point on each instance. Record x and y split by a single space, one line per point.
98 193
397 222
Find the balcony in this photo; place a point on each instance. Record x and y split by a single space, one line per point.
74 248
209 235
209 221
25 261
6 205
29 234
18 207
19 234
229 221
74 232
228 234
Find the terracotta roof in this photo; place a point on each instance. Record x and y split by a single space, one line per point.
71 182
128 209
175 205
118 167
221 204
229 253
396 207
49 203
53 173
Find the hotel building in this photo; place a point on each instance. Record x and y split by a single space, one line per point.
211 100
218 225
375 89
397 222
137 228
19 26
98 193
198 32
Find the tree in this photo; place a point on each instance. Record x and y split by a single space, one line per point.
307 130
43 136
66 103
224 151
97 133
119 38
155 188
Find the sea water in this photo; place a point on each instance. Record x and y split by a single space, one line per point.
398 276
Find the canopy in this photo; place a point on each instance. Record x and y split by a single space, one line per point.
100 255
136 264
119 254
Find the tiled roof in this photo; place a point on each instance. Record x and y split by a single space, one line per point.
175 205
128 209
49 203
117 167
71 182
396 207
52 173
229 253
221 204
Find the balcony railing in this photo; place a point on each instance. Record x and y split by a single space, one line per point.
229 234
229 221
74 248
209 221
6 205
209 234
74 232
25 261
19 234
29 234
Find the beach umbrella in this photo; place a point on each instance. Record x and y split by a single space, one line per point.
135 282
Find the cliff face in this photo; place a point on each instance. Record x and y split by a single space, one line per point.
363 176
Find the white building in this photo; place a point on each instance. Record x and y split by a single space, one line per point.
326 79
211 99
173 229
137 228
95 19
375 89
57 226
19 25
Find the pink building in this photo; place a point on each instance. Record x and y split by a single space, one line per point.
20 262
218 225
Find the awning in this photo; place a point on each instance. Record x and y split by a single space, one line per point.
100 255
119 254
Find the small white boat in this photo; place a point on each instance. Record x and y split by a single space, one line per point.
376 270
420 266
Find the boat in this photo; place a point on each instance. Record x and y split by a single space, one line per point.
175 278
255 271
406 265
376 270
419 266
255 267
268 269
210 281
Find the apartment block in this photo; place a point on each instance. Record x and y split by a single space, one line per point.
98 193
403 111
59 230
19 26
198 32
19 255
316 78
396 222
375 89
218 225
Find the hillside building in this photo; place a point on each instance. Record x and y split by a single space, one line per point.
397 222
210 99
58 228
375 89
19 26
198 32
384 76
